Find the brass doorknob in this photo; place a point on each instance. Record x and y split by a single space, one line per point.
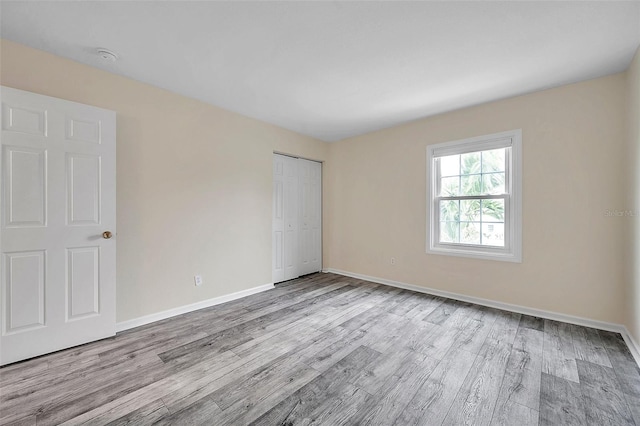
107 234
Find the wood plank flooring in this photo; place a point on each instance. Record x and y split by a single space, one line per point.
331 350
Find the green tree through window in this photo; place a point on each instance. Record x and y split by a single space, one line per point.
463 218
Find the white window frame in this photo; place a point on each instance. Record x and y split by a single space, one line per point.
512 250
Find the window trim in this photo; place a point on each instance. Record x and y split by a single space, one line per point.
512 252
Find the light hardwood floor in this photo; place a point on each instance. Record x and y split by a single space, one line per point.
326 349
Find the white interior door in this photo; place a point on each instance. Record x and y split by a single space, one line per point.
58 198
297 218
310 181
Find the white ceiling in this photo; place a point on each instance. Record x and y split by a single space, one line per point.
338 69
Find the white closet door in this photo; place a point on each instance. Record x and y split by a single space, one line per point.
277 249
58 198
291 220
297 217
285 218
310 178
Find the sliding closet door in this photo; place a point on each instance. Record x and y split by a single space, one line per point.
297 220
310 180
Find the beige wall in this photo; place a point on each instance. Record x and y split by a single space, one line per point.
573 152
632 223
194 183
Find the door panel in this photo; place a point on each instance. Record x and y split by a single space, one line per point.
83 189
304 208
310 216
24 300
83 130
58 197
285 218
25 186
278 219
83 282
316 218
24 119
291 219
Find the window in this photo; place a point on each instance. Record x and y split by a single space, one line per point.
475 197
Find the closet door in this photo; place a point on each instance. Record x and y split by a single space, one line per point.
277 240
297 217
285 218
310 181
291 219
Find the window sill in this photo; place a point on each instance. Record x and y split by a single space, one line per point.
476 254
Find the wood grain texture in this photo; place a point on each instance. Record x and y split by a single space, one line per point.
520 389
329 350
519 397
515 414
561 402
596 380
298 407
434 398
589 346
387 404
146 415
559 357
535 323
200 413
476 399
443 311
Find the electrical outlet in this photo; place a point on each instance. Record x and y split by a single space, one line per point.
198 280
393 260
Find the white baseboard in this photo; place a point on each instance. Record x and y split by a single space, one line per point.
586 322
631 343
147 319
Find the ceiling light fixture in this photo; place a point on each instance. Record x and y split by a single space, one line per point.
106 54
